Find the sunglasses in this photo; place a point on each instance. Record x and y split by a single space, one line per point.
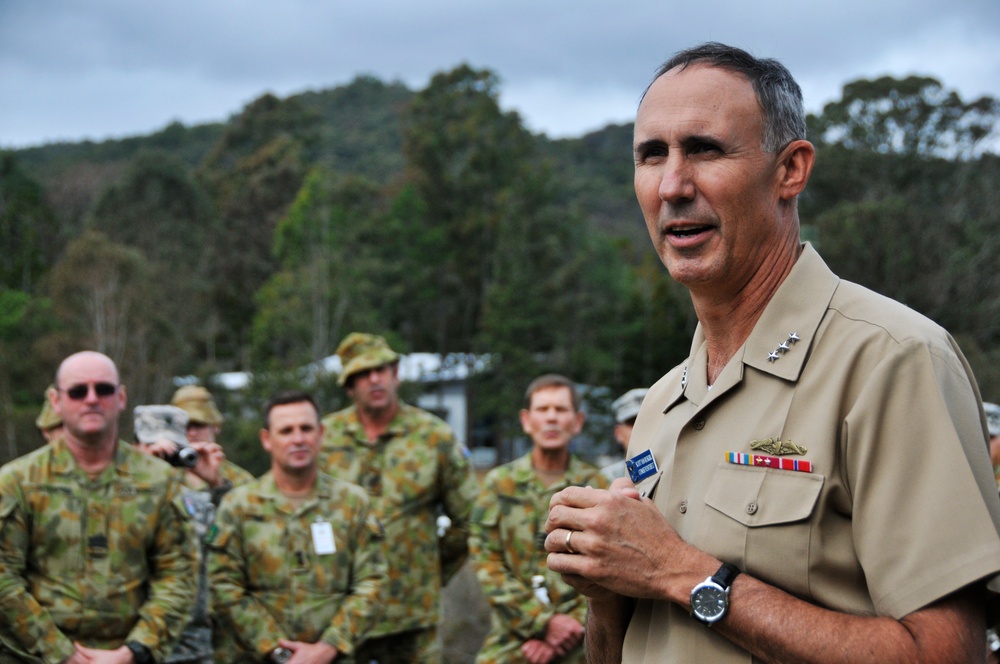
102 390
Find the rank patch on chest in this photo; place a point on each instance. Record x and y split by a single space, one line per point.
641 466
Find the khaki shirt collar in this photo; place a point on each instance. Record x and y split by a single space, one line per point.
798 307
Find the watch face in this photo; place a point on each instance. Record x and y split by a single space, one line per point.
709 602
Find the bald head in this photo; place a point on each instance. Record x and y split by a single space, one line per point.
85 360
89 398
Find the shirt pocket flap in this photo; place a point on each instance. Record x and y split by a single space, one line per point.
763 497
647 486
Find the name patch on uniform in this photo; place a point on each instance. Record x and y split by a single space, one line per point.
323 543
641 466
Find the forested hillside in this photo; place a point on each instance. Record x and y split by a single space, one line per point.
434 217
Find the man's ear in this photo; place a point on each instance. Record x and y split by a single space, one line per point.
523 414
795 166
265 440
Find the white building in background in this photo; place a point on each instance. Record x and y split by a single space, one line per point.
444 375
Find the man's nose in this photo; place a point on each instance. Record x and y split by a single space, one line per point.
676 185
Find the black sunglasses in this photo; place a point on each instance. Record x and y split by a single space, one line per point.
79 392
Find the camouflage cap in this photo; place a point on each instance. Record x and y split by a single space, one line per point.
359 352
626 407
153 423
992 418
198 403
48 418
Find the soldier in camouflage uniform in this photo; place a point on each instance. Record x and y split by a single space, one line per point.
214 472
296 560
97 556
414 471
161 431
992 411
49 424
537 618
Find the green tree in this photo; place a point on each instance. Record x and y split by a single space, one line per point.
332 270
105 295
27 227
463 154
253 174
915 115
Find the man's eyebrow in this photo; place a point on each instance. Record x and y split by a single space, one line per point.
650 143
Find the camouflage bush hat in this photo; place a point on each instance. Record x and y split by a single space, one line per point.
992 418
359 352
626 407
48 418
153 423
198 403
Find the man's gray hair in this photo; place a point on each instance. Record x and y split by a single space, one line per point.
779 96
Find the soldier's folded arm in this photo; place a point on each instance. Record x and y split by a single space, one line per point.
24 624
174 578
235 609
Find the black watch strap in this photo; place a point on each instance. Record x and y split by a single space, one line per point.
140 653
726 574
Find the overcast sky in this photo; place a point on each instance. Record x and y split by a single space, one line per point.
75 69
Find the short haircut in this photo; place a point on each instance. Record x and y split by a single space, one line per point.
552 380
283 399
779 96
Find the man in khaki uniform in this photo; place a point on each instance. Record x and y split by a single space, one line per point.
812 483
296 557
98 561
415 471
537 617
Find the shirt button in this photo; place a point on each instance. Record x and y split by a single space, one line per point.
752 508
699 423
683 507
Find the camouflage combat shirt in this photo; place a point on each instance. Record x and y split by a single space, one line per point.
415 471
507 544
273 575
100 561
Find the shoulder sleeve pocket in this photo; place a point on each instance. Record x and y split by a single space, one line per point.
763 497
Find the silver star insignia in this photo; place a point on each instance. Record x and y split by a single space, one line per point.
792 337
783 346
773 356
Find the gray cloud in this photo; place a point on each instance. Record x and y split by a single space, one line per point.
111 68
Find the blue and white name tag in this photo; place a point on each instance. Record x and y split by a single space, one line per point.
641 466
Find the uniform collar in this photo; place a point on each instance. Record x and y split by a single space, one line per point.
64 463
778 344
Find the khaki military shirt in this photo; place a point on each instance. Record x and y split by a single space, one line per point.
507 548
99 561
415 471
900 507
311 571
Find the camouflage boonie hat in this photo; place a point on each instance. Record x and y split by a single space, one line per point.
992 418
626 406
48 418
153 423
359 352
198 403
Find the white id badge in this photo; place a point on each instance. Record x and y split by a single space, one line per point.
323 542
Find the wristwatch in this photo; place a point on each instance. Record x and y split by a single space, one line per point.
710 598
140 653
280 655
